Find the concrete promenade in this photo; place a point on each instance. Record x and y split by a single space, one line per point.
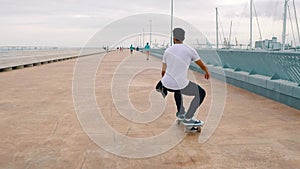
40 129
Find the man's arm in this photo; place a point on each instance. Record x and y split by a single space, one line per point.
204 68
163 69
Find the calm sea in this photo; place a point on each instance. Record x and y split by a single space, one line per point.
7 52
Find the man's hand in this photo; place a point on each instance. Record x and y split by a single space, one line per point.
204 68
207 75
163 69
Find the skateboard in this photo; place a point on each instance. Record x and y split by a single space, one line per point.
190 128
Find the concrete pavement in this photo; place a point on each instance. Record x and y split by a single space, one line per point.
40 129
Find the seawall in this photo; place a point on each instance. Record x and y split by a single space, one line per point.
36 58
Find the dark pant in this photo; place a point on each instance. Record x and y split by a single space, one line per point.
191 89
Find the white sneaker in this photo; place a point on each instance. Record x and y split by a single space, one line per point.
193 122
180 116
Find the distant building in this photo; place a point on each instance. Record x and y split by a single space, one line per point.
268 44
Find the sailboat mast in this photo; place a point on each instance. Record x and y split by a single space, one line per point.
284 24
251 5
295 12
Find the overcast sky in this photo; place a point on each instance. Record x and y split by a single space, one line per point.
74 22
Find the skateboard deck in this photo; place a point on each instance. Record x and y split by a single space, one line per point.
190 128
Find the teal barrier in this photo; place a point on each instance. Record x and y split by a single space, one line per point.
275 75
277 65
160 52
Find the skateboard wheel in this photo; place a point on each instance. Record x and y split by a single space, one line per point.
199 129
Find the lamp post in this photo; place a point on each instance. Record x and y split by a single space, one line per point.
251 6
217 28
172 6
150 32
143 38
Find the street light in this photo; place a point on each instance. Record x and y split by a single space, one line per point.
150 31
172 5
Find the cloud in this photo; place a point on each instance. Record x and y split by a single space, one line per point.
91 15
272 9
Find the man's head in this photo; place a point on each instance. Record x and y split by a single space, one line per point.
178 34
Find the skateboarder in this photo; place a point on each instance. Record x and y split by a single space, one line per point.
176 62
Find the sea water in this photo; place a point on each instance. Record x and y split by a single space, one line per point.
7 52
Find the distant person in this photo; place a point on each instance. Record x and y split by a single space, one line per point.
176 62
147 49
131 49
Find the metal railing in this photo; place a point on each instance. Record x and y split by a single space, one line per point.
276 65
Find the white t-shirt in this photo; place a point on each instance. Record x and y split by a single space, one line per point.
178 59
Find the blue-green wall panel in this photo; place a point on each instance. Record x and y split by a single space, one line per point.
263 64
